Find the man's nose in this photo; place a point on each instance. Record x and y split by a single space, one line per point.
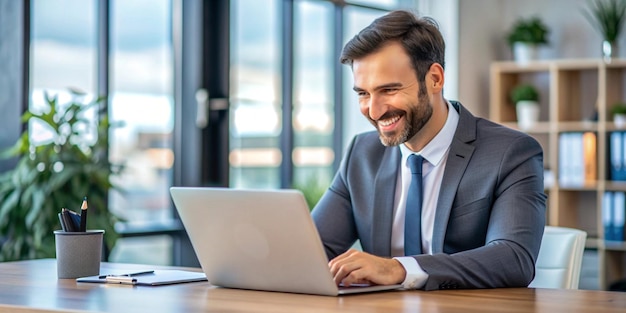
377 107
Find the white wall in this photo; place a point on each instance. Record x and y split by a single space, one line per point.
446 12
483 25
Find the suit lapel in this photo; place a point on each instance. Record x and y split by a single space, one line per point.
384 194
460 153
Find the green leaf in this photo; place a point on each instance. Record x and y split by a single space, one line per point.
57 180
607 16
36 208
9 203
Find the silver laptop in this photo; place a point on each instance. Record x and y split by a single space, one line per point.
258 239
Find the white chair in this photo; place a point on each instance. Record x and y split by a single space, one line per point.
560 256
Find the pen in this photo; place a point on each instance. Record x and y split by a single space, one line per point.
75 219
69 225
83 215
62 222
126 275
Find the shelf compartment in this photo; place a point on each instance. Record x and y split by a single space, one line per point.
505 76
575 96
576 209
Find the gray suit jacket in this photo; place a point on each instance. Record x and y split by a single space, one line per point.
490 214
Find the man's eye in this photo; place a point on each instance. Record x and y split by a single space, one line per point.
390 90
361 94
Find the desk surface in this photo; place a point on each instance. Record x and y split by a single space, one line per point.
32 286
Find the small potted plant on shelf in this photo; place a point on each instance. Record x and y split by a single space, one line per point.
526 100
607 16
618 111
525 37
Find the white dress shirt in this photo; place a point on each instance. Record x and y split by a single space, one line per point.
435 154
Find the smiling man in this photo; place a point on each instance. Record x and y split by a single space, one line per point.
469 214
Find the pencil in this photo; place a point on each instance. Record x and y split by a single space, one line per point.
83 215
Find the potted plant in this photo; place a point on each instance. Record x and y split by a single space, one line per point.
618 111
313 189
526 100
54 174
525 37
607 16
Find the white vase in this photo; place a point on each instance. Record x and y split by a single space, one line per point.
619 120
524 52
609 50
527 114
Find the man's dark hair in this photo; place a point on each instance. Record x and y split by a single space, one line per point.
420 37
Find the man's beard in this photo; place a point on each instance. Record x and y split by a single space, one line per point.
415 119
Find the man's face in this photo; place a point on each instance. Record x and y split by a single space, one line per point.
390 96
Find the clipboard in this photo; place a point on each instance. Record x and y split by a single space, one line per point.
147 278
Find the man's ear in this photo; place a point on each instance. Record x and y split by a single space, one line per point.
435 78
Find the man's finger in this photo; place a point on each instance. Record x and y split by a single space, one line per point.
343 268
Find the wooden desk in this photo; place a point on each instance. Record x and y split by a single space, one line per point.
32 286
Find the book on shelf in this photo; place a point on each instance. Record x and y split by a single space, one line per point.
617 156
577 158
607 215
614 215
590 164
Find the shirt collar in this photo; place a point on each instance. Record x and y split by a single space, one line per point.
436 149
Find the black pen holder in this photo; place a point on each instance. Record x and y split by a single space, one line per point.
78 253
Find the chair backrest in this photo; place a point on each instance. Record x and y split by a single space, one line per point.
560 256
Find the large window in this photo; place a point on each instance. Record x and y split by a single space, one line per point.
260 69
142 99
64 54
141 93
255 125
291 105
313 107
63 46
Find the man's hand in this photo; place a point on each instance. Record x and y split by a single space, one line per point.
356 267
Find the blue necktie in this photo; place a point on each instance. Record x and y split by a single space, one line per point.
413 214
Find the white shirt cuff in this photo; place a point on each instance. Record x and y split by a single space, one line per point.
415 275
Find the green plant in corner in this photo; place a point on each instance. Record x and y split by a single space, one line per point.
608 17
312 189
524 92
55 174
